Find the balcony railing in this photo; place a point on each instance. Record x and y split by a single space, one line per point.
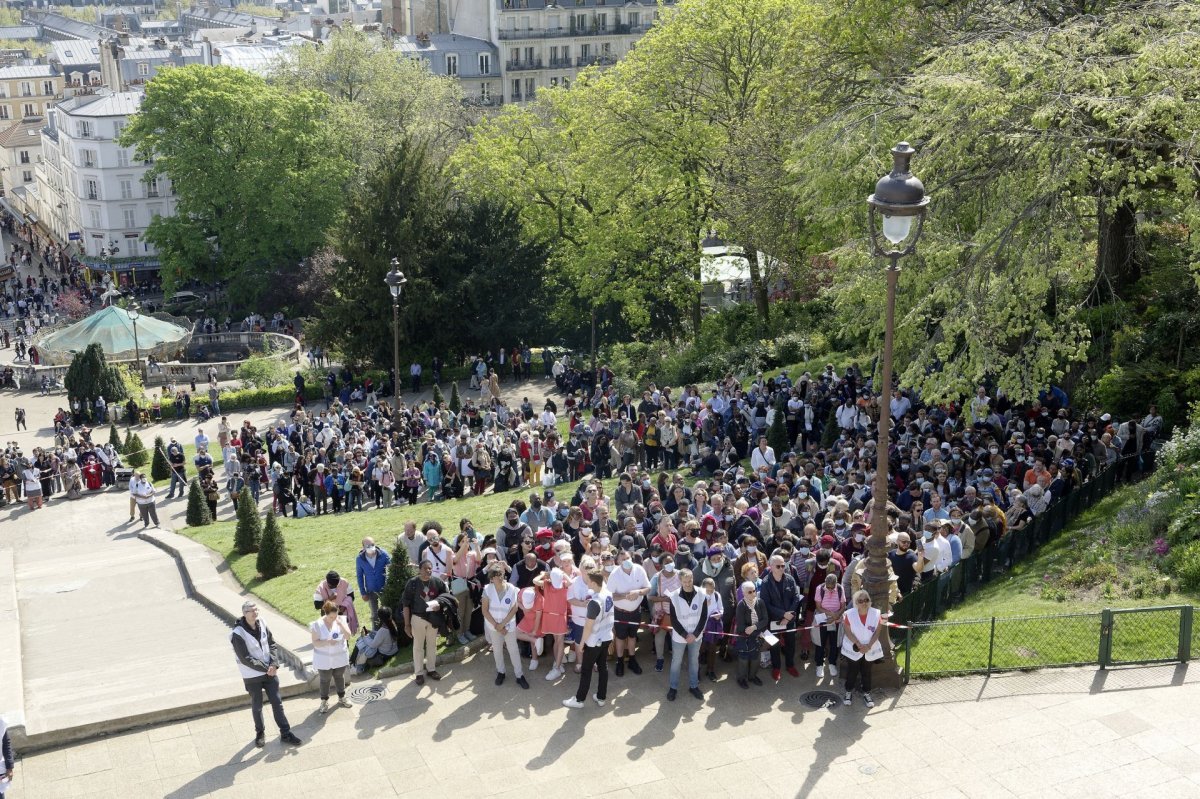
517 66
560 63
587 30
590 60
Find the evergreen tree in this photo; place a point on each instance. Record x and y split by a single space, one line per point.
438 399
777 436
399 572
197 510
135 451
89 376
272 552
248 536
455 403
114 437
159 468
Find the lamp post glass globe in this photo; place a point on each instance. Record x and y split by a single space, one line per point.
395 279
134 312
900 200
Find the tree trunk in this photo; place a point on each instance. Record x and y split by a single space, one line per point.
1118 265
757 285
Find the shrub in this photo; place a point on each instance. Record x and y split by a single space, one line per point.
438 399
777 435
248 536
198 514
272 551
455 404
399 572
262 371
114 437
135 451
159 468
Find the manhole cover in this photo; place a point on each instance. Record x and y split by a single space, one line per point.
367 693
868 769
821 699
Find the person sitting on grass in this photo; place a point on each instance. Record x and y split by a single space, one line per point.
374 649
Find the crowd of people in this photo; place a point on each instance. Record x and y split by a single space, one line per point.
685 536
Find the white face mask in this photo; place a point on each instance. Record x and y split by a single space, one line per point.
802 495
627 566
928 536
751 549
604 541
994 450
371 552
669 568
608 568
859 538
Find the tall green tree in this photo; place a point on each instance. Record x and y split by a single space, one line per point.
258 174
90 376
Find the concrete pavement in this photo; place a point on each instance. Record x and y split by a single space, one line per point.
1068 733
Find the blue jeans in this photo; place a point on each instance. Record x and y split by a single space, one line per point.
693 657
177 478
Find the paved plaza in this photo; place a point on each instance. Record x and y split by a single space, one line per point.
1068 733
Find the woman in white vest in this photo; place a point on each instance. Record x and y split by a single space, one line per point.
597 633
500 622
330 655
862 625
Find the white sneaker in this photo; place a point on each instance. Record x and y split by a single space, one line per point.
832 670
599 701
570 655
848 698
539 645
533 664
572 702
820 672
324 707
868 701
553 674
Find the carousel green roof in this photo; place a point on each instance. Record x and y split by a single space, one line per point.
113 330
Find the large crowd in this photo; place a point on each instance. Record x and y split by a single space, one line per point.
667 524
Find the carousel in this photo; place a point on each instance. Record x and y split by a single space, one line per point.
119 335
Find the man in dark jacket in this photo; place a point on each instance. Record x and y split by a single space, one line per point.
258 661
782 598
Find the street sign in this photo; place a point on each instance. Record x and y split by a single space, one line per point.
74 237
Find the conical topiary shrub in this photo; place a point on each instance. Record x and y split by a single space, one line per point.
114 437
272 552
438 399
159 468
135 452
248 536
777 436
399 572
198 514
455 404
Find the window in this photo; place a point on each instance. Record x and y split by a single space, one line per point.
152 187
118 126
122 157
48 88
83 129
130 216
485 63
94 213
514 54
635 19
606 49
566 83
530 88
153 210
485 92
26 89
580 22
27 176
93 191
554 82
516 89
126 189
585 51
87 159
143 69
553 55
4 113
602 21
24 156
3 90
451 64
29 110
529 58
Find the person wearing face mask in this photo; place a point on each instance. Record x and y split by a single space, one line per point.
629 584
929 553
662 584
337 589
750 554
370 568
854 545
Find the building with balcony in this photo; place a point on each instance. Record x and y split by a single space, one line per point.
79 64
28 91
93 192
544 44
20 151
127 62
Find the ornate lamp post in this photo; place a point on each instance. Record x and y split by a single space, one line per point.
135 313
395 282
899 201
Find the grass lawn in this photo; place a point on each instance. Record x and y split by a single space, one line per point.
318 544
189 452
1038 622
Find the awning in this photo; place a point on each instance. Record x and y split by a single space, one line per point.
4 203
123 266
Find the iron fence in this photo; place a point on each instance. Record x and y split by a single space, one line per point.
1106 638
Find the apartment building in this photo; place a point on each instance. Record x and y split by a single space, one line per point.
91 190
20 150
475 63
27 91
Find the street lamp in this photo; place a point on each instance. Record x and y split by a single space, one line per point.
899 201
107 254
395 282
135 313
